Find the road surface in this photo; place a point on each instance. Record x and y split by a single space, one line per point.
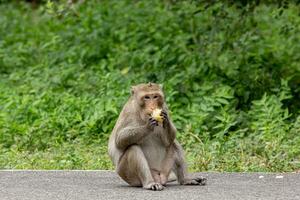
90 185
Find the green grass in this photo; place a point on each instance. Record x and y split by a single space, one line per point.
230 73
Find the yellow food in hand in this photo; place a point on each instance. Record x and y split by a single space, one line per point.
156 114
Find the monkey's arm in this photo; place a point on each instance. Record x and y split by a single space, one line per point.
180 167
167 164
131 135
169 127
171 131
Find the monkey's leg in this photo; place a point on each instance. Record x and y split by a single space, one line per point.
156 175
180 169
167 165
134 169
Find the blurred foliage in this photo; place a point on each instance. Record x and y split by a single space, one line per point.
230 70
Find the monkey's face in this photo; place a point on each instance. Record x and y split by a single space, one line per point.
150 102
148 96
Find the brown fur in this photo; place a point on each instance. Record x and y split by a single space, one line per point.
144 155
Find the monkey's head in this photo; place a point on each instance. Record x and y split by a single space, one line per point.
148 97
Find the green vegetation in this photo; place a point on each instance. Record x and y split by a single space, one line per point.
231 74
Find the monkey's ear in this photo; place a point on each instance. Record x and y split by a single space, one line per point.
132 90
160 86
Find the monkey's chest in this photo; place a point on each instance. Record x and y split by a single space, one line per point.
154 151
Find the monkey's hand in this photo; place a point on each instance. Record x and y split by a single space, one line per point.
165 117
152 123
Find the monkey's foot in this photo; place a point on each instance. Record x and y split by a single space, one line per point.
195 181
154 186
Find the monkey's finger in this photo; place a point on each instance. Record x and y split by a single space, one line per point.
153 122
164 115
153 187
195 181
160 187
191 182
157 187
151 119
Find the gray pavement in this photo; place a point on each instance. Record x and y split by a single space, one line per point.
90 185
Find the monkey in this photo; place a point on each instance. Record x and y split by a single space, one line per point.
144 153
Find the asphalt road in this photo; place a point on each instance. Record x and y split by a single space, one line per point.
90 185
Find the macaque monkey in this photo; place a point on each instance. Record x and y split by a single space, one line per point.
143 147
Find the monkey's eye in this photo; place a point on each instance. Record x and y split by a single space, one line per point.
155 97
146 97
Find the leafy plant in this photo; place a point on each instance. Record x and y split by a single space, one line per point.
230 71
